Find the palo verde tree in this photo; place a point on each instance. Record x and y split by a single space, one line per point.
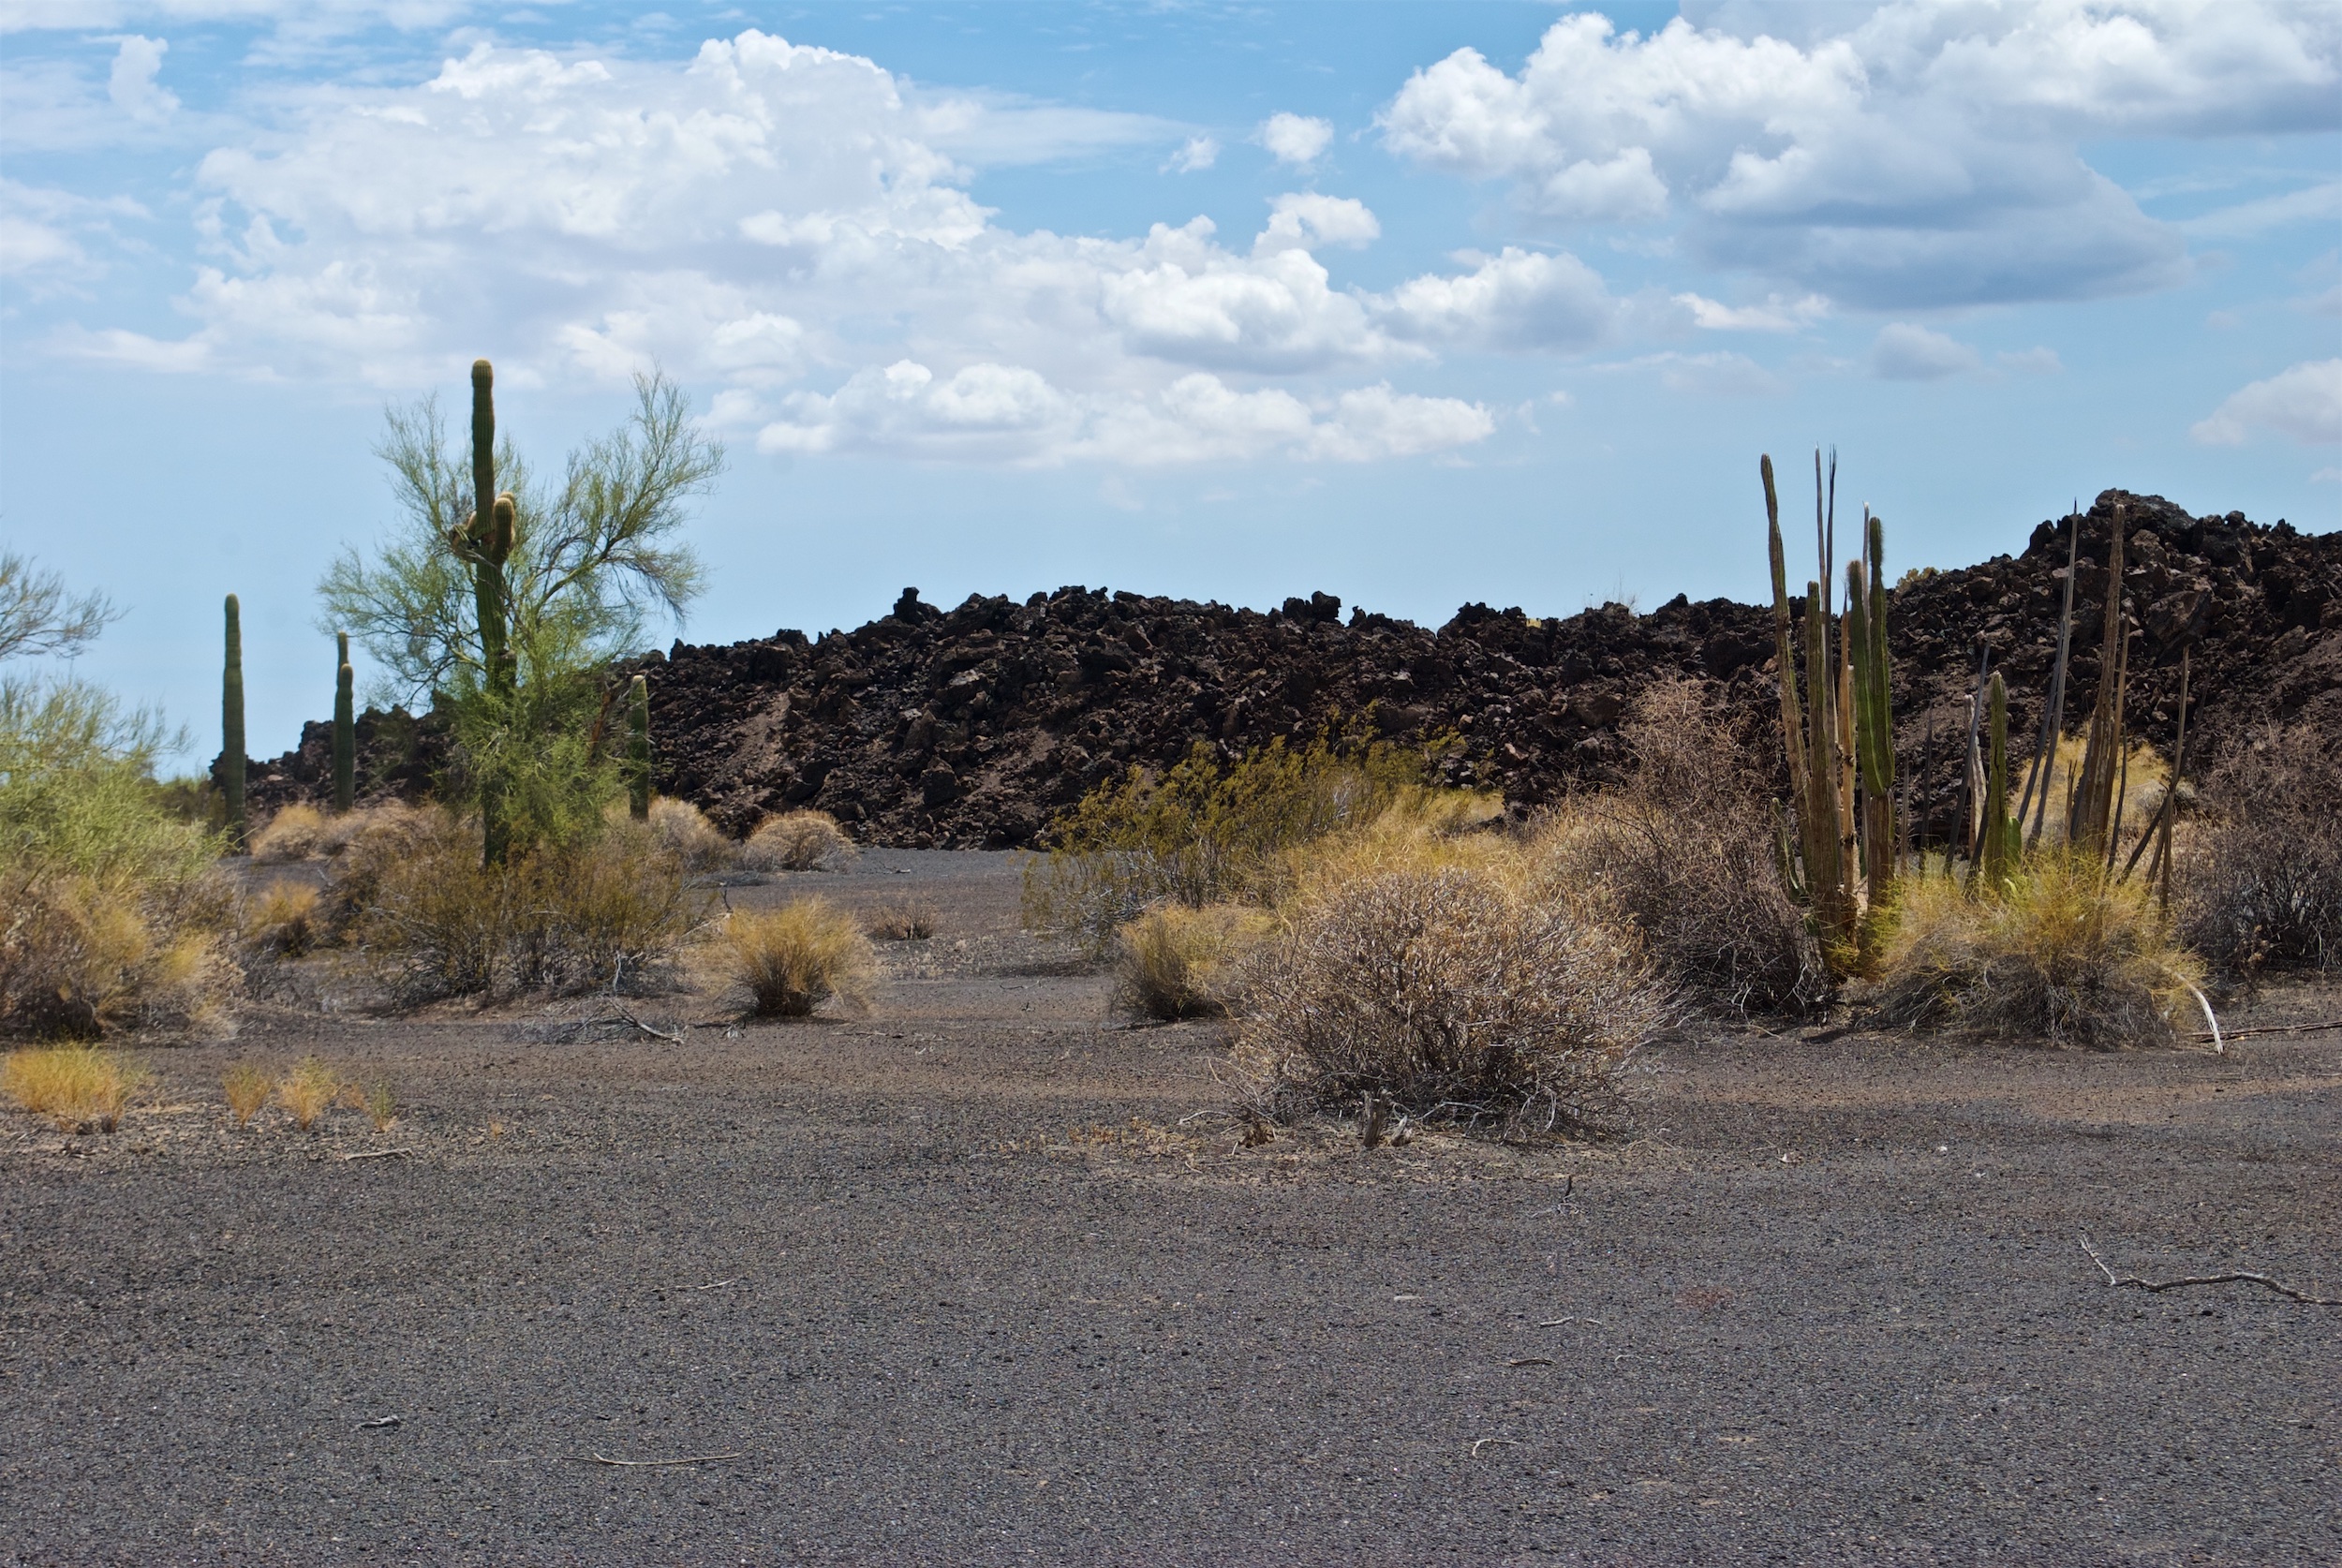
503 597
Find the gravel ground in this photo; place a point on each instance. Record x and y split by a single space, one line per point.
956 1282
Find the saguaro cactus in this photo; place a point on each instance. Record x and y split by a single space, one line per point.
231 756
638 748
484 543
345 725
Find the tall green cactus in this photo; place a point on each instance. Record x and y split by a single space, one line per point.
231 752
484 543
345 725
638 748
1873 707
1997 837
1810 735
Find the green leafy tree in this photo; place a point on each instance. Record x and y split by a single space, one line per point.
509 633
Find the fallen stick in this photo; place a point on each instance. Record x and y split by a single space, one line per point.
720 1284
2233 1276
649 1464
1479 1444
1531 1361
625 1017
380 1154
2275 1029
1556 1323
383 1421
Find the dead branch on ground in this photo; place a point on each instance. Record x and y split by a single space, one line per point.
2232 1277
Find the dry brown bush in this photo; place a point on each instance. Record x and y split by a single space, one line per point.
1686 848
607 913
1173 962
297 832
374 843
78 1088
2260 885
1455 991
247 1085
83 956
309 1091
797 841
793 959
2059 956
906 919
284 920
683 832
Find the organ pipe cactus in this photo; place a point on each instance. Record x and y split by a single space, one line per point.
2090 823
231 752
1873 707
1810 735
345 727
638 748
1998 837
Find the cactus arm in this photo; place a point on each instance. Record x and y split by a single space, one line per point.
1992 838
345 729
1784 648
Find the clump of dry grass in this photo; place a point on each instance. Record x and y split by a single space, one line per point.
2260 885
293 834
436 922
2058 955
905 919
797 841
285 920
1685 847
309 1091
684 834
83 956
795 958
1173 962
78 1088
380 1106
247 1085
1458 990
376 842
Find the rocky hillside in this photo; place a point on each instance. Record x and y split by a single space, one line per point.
970 727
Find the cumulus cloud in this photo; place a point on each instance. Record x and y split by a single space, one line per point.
2303 402
1916 153
1294 138
1197 154
790 227
1777 313
41 230
1515 300
132 84
1903 352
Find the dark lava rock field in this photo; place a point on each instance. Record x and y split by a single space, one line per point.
970 727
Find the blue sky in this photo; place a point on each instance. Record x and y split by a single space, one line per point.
1417 305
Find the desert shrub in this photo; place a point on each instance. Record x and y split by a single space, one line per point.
78 1088
284 920
797 841
1213 831
436 922
2260 882
1173 962
906 919
1686 847
376 841
380 1105
1450 991
293 834
112 914
794 958
2058 955
309 1091
683 832
247 1085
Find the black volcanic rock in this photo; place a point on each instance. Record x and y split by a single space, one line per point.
970 727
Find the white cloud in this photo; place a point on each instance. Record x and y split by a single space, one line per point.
1914 154
132 84
2319 203
1778 314
2030 361
1716 375
2303 402
784 227
1903 352
1198 152
41 230
1294 138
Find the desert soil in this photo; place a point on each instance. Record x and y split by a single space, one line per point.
982 1276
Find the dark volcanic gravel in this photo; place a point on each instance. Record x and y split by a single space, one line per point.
956 1283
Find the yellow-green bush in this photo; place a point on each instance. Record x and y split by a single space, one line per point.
2058 955
1173 962
1212 832
112 914
684 834
793 959
797 841
296 832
